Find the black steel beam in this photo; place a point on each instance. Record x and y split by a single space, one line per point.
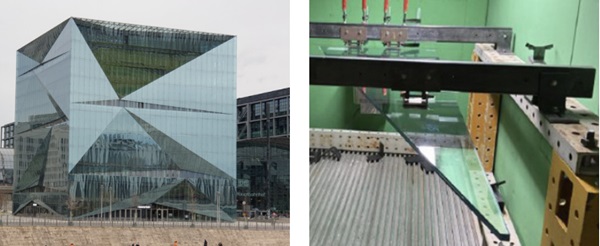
549 83
501 37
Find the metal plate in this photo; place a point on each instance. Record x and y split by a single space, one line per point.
353 33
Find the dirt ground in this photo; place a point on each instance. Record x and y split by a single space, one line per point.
64 236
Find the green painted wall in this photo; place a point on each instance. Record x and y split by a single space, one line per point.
522 155
330 107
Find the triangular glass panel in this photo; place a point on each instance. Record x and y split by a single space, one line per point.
204 89
63 42
132 56
33 175
216 151
38 48
183 157
32 114
24 64
124 146
55 76
86 125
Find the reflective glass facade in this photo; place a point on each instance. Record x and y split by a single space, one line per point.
263 153
128 114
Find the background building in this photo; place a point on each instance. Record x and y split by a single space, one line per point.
8 135
263 158
6 166
115 116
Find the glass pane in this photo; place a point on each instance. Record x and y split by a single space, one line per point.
440 134
380 52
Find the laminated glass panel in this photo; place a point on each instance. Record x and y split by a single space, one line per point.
440 135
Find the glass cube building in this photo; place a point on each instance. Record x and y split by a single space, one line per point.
139 120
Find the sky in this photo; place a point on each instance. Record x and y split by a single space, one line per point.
261 27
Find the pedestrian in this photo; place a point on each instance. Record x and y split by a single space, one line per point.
220 244
205 242
137 244
175 244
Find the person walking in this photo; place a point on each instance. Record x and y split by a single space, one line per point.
205 242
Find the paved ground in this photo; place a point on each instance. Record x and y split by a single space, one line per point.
37 235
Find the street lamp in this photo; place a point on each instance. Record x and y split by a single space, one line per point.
245 214
101 202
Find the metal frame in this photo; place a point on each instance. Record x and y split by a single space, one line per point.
501 37
563 137
550 84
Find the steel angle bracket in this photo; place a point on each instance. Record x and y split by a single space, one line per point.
500 37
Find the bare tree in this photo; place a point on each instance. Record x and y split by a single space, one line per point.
2 202
72 204
135 200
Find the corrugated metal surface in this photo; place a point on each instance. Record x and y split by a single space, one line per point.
353 202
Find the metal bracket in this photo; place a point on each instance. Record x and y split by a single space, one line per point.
317 154
377 157
420 160
353 35
553 89
421 100
538 53
499 198
393 36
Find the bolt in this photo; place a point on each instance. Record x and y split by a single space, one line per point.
346 32
504 36
554 83
428 77
387 33
403 76
359 32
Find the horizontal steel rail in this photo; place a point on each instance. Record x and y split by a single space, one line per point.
551 84
501 37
